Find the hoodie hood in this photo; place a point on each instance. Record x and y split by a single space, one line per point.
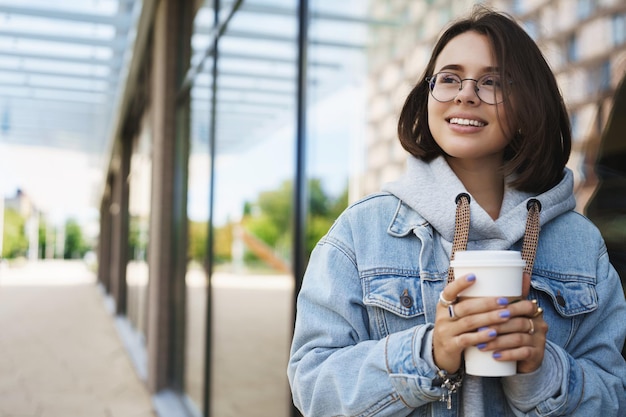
431 188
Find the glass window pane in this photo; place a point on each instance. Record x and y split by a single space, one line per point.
336 112
252 284
139 182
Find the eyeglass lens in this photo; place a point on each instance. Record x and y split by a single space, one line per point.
445 86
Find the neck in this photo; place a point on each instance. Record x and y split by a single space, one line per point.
484 180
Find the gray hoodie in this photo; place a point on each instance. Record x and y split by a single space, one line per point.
433 195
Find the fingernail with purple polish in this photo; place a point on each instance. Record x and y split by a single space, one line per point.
505 314
481 345
503 301
471 277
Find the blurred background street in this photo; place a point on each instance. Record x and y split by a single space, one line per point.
60 353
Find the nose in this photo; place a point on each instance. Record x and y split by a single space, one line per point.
467 93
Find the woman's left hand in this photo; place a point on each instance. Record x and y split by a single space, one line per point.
522 338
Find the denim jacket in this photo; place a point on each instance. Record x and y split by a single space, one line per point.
361 348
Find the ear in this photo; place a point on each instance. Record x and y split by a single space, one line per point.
525 285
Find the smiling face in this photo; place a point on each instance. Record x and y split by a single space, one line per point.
466 128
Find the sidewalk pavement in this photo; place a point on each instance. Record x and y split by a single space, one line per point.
60 353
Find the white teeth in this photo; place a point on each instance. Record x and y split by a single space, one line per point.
466 122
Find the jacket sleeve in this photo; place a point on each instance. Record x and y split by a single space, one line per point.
335 369
590 372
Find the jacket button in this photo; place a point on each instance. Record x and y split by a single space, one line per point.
406 300
560 299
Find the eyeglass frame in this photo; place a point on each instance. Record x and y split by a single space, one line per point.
431 86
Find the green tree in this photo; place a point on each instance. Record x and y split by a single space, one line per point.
42 237
339 204
270 217
223 243
323 210
198 240
197 235
319 202
75 246
275 208
15 242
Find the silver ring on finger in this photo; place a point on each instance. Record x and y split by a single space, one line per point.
453 315
531 331
445 302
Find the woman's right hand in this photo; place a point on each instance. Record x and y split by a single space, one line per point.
457 321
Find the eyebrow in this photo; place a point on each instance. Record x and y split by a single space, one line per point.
456 67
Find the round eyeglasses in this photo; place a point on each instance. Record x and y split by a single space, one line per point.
445 86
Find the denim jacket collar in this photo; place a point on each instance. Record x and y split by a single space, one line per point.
405 220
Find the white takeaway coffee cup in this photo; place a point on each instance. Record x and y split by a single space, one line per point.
499 273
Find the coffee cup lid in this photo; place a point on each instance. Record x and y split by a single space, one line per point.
488 258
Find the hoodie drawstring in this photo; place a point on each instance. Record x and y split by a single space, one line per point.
531 234
462 224
461 228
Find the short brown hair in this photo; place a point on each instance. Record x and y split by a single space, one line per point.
540 148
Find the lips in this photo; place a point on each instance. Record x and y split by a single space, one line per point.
466 122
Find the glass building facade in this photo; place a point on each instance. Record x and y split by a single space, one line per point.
247 161
250 126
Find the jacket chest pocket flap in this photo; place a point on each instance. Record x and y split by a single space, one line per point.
394 302
571 295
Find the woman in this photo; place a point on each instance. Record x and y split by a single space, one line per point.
380 329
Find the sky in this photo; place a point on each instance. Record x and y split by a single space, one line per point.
62 183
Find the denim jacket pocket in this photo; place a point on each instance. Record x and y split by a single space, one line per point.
393 299
565 301
569 295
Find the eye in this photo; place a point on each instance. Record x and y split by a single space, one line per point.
490 81
447 78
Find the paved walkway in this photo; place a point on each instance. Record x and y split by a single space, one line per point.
60 353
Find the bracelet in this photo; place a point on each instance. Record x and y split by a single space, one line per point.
450 384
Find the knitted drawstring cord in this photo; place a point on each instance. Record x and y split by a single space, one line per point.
461 228
461 231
